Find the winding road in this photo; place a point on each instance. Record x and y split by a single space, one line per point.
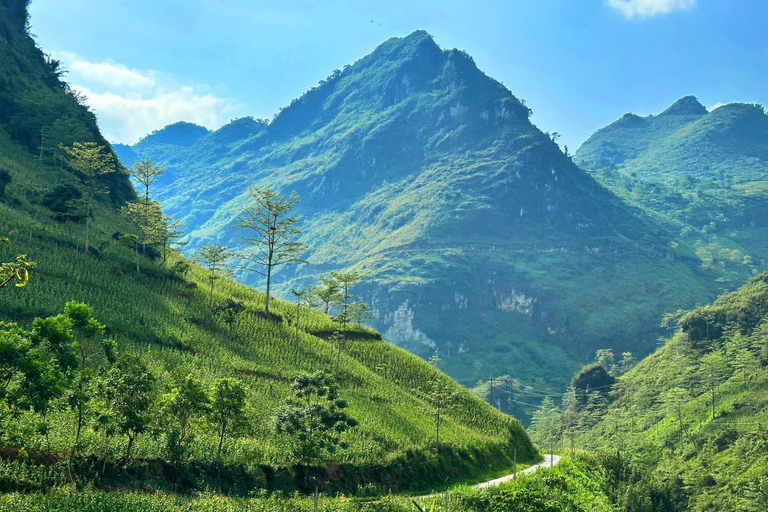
549 460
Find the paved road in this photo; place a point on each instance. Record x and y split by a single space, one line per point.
549 459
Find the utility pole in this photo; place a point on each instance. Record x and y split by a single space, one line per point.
491 379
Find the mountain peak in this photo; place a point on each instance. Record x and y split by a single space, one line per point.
687 105
181 133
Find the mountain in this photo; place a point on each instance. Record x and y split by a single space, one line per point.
703 174
165 320
691 416
37 108
729 144
480 239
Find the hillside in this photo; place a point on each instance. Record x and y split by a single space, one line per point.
161 318
691 417
704 174
480 239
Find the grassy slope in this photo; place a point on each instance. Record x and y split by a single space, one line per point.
722 457
168 322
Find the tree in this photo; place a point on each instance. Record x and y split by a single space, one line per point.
227 410
439 396
18 269
213 257
146 172
34 363
314 419
92 354
745 361
544 425
170 234
229 310
714 370
148 216
271 230
328 293
345 280
91 161
185 400
359 312
674 401
304 298
128 388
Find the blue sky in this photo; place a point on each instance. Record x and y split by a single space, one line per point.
579 64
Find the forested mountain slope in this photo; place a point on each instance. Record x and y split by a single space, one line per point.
62 416
704 174
690 418
480 239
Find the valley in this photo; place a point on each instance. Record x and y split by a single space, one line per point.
393 295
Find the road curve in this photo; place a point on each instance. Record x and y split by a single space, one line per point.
549 460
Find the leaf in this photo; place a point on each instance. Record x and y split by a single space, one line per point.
23 276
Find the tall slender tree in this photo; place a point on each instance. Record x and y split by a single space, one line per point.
345 281
213 257
271 229
90 161
146 172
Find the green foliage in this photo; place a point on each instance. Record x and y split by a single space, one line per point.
214 258
62 201
314 419
692 415
271 239
128 389
227 411
702 173
426 175
185 400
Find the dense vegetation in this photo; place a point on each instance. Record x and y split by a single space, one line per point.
691 417
478 236
703 174
124 367
578 484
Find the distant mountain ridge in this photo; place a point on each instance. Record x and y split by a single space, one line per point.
425 174
731 142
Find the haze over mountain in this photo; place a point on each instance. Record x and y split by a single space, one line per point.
427 175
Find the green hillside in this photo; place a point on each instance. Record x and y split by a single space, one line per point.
161 317
659 416
703 174
481 241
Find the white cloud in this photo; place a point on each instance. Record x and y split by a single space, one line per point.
648 8
112 74
131 103
716 105
127 118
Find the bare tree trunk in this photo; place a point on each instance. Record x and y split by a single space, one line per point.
128 450
221 441
269 282
87 224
